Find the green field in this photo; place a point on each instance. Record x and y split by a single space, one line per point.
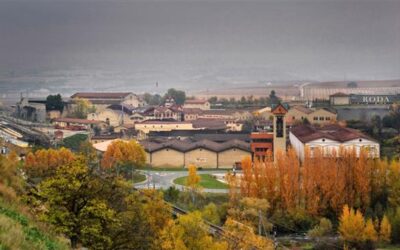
138 177
206 181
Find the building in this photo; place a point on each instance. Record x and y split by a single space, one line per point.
31 109
101 100
279 128
315 116
77 124
339 99
203 153
331 138
261 145
197 104
173 112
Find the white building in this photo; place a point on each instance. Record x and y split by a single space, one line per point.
330 139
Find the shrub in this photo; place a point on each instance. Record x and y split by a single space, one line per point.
324 228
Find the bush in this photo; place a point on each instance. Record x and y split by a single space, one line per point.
324 228
73 142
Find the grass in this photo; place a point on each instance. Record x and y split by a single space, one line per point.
206 181
138 177
18 232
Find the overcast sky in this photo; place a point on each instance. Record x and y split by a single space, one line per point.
318 40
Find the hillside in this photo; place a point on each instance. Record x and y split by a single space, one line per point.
17 231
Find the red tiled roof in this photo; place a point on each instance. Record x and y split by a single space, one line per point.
307 133
98 95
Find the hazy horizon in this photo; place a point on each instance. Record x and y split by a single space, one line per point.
195 44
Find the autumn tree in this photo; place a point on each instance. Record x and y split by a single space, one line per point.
189 232
243 237
351 225
101 211
253 212
385 230
123 155
44 162
210 213
82 107
192 181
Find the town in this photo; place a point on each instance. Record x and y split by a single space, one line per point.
180 134
199 125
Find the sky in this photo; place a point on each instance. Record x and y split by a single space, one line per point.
188 43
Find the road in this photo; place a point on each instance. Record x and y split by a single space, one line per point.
165 179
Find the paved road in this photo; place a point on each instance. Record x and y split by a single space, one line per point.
164 179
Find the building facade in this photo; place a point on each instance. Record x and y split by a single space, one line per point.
330 140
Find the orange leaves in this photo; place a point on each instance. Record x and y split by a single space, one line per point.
321 183
193 179
123 153
44 162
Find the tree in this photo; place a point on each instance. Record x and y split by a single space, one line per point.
351 225
73 205
244 237
73 142
195 235
192 181
152 99
377 125
393 119
123 154
82 108
178 95
273 99
252 212
210 214
370 233
385 230
54 102
44 162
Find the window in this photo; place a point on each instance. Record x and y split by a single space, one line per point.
321 118
315 118
279 126
327 118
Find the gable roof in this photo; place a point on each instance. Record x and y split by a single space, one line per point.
186 146
307 133
279 108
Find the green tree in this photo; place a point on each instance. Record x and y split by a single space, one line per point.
54 102
273 99
178 95
74 206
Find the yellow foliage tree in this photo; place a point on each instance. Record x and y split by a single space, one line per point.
192 181
370 233
189 232
351 225
243 237
385 230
